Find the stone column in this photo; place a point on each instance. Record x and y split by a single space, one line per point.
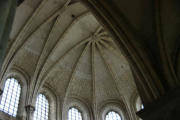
29 112
165 108
154 55
7 11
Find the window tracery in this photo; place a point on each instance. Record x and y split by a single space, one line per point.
74 114
41 108
112 115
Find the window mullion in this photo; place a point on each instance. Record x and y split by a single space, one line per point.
10 97
42 107
112 116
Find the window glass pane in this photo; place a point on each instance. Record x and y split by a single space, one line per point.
10 97
74 114
112 116
142 106
42 108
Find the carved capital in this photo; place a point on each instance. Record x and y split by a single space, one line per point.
30 108
29 112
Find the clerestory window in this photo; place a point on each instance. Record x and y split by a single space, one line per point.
113 116
74 114
41 108
10 97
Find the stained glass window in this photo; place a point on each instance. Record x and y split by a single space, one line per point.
41 108
74 114
113 116
10 97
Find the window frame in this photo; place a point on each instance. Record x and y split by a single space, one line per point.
79 111
22 77
11 96
52 99
78 104
113 105
112 111
48 105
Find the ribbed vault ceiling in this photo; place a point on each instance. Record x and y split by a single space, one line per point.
68 50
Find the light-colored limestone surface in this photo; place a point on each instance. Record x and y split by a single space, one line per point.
61 45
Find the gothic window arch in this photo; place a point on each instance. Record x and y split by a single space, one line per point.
112 115
74 114
41 108
53 99
76 107
10 97
113 110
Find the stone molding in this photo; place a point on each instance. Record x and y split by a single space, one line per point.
113 105
80 105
